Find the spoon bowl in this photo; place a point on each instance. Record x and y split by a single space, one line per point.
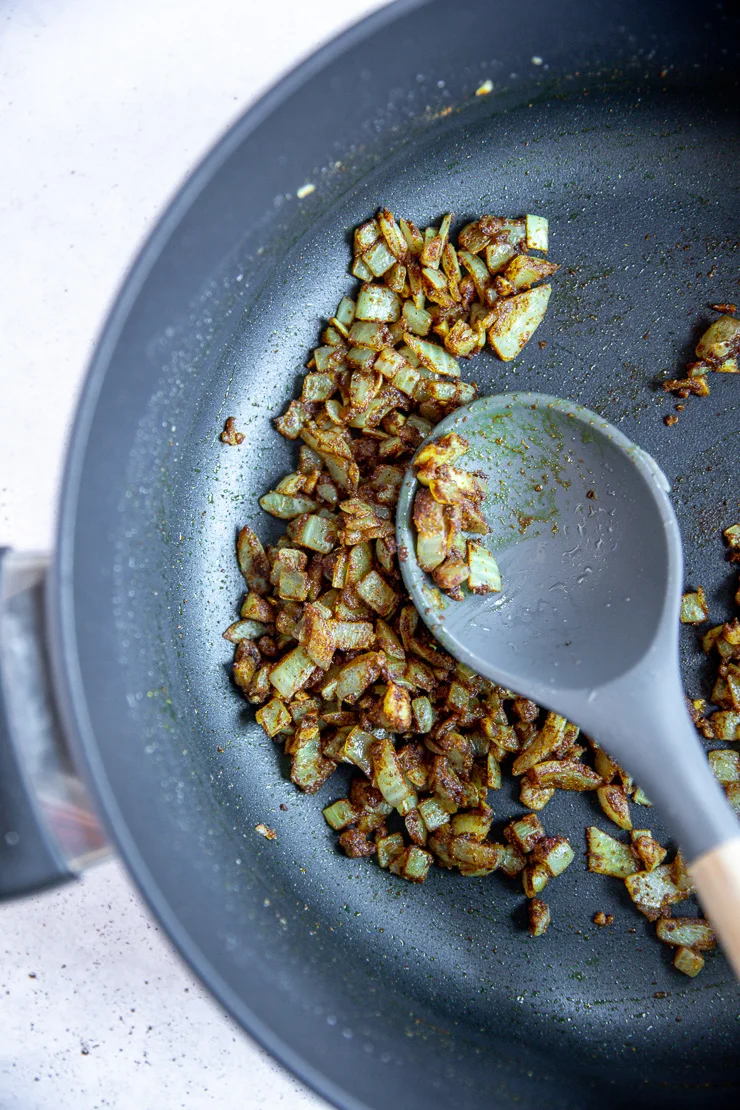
585 538
586 622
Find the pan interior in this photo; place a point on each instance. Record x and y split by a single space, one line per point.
639 207
642 203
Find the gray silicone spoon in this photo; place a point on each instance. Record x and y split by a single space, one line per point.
587 621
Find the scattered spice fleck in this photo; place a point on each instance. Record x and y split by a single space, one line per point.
269 834
602 918
229 435
283 807
591 494
484 89
671 419
724 307
660 994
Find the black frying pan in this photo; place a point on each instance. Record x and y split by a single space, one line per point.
374 992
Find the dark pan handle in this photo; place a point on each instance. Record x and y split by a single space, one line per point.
48 829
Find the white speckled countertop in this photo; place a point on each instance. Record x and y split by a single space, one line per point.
103 109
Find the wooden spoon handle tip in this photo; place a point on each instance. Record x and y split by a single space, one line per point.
716 876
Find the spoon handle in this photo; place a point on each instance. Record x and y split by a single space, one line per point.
643 722
716 875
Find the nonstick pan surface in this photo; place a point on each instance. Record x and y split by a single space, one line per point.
375 992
